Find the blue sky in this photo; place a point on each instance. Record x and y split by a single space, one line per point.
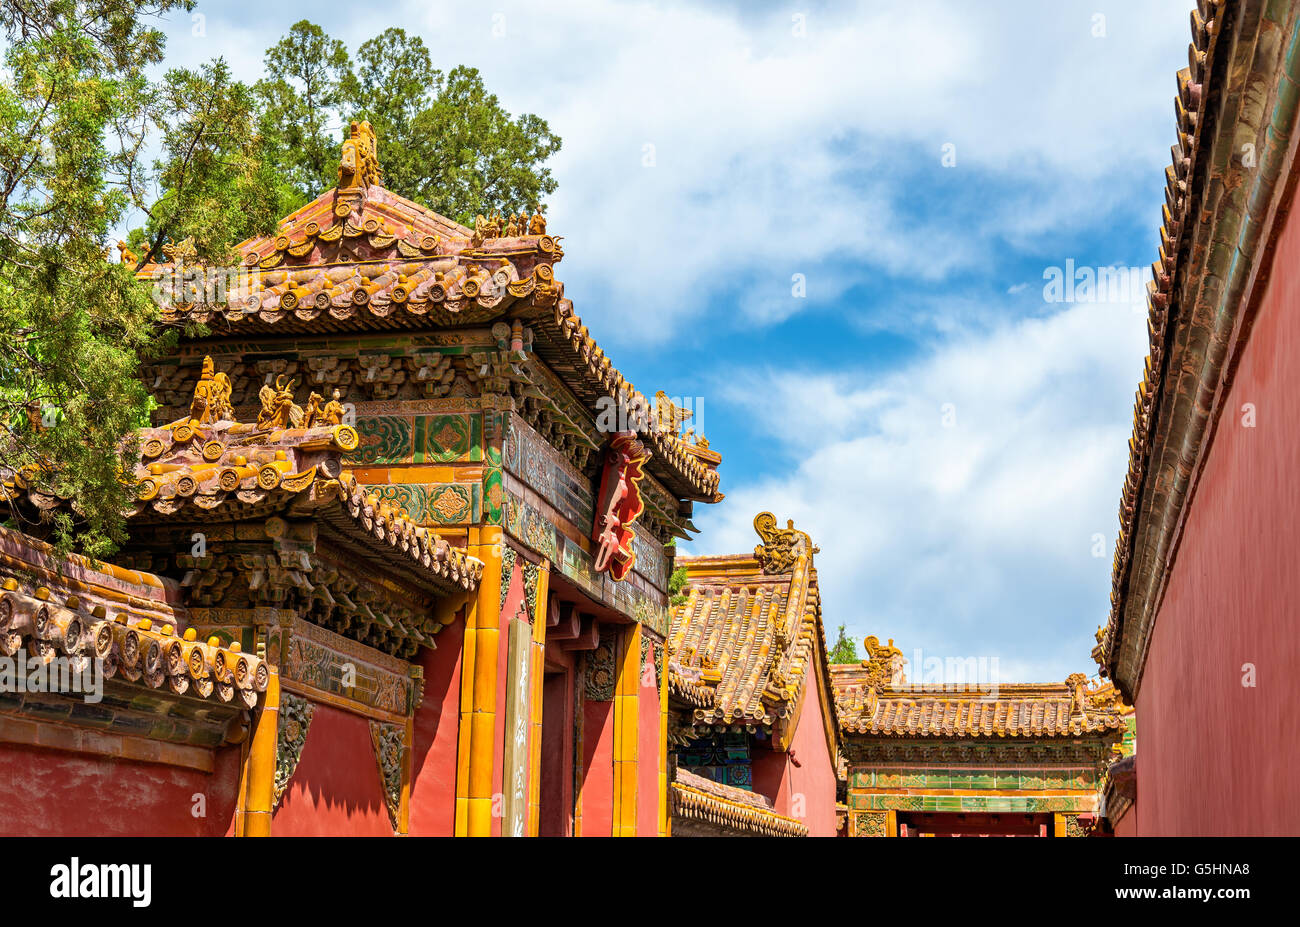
953 442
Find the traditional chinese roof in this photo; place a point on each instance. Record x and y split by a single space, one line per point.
1236 111
360 257
63 606
210 473
869 703
726 807
741 644
208 468
687 684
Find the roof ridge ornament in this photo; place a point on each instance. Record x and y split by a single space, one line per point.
211 401
358 168
179 252
781 547
1078 699
884 664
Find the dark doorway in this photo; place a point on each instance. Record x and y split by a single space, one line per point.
951 824
555 812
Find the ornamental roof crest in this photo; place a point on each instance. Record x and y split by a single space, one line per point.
358 167
884 664
781 547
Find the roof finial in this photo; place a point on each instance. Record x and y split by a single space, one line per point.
358 169
884 664
359 166
781 547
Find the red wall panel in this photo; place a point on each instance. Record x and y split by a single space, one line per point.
810 786
336 789
52 793
598 769
1215 756
437 721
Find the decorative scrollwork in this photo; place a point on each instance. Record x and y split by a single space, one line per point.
884 664
295 719
389 741
781 547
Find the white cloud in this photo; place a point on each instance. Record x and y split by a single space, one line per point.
970 540
777 154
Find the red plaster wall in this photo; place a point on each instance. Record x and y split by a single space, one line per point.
336 789
768 769
813 781
437 721
52 793
598 769
1217 757
814 777
1127 825
647 752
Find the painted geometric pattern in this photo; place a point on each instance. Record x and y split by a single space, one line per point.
1028 779
384 439
739 775
448 438
388 439
867 824
455 503
967 803
435 503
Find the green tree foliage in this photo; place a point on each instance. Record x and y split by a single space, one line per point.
445 142
76 112
213 175
88 143
676 583
302 91
843 650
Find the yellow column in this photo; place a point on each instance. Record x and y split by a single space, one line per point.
539 672
466 699
483 713
466 713
626 702
663 746
257 778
